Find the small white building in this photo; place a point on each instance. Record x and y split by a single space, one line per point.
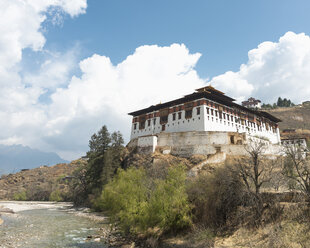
252 103
294 141
206 110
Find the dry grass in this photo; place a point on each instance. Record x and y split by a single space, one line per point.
43 177
294 117
290 231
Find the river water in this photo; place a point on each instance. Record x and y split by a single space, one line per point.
48 226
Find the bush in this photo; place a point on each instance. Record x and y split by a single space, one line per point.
38 193
125 197
215 196
168 206
56 196
20 196
140 204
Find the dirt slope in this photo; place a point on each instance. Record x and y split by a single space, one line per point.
43 177
297 117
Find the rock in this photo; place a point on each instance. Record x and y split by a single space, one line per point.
6 210
97 239
129 246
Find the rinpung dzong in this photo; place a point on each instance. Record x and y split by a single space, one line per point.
204 122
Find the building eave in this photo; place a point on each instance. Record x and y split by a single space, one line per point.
219 98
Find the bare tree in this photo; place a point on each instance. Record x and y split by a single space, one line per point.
297 167
254 169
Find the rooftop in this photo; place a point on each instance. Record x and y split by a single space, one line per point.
209 93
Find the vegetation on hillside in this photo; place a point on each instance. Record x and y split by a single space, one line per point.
103 160
279 104
39 184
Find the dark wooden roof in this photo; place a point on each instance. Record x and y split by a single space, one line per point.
208 94
268 116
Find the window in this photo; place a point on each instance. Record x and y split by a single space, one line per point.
148 123
211 111
173 116
188 114
135 126
198 111
142 123
163 113
216 113
154 121
164 119
180 115
208 110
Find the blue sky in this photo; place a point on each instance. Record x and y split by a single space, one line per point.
222 30
67 67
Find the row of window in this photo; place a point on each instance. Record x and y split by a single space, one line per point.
231 118
188 115
164 119
162 126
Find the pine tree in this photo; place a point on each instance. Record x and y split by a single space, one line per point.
98 145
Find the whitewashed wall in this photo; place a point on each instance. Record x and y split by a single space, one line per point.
204 122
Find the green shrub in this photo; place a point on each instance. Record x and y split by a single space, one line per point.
56 196
139 204
125 197
20 196
168 206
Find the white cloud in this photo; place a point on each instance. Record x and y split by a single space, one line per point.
105 93
21 114
274 69
54 71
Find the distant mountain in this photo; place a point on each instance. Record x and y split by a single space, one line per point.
17 157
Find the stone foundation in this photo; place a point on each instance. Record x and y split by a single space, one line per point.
186 144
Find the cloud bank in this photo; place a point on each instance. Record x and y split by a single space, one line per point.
273 69
52 111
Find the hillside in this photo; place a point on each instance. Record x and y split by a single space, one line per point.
297 117
41 180
16 157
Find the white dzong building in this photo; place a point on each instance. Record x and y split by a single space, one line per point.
206 110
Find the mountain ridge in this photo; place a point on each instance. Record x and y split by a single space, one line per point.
16 157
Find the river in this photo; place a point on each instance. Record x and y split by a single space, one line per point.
47 225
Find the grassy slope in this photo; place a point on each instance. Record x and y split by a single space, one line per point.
294 117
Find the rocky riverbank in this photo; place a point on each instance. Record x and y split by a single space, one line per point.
105 233
5 211
109 233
